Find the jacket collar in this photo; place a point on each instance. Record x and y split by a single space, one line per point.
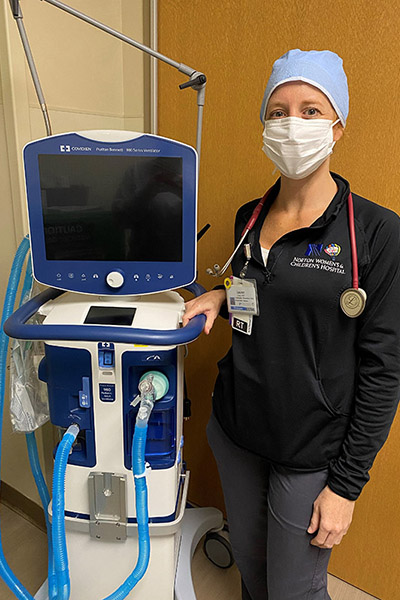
330 213
336 204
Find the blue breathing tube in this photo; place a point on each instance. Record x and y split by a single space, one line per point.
45 499
142 513
5 572
35 463
58 524
59 538
27 285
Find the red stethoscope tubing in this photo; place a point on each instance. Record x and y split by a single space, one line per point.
255 214
354 258
353 244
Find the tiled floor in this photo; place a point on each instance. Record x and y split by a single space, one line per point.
25 547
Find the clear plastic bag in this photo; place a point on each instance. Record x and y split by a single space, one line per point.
29 405
29 408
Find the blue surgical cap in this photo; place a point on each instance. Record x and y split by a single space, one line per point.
322 69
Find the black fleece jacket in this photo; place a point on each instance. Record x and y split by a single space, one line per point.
311 387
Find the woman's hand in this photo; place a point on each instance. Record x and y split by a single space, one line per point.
331 517
208 304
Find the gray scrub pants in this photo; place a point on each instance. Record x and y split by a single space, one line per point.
269 509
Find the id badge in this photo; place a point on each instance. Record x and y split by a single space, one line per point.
242 323
242 295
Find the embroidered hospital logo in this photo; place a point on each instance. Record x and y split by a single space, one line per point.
332 250
314 250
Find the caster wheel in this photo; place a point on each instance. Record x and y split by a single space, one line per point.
218 550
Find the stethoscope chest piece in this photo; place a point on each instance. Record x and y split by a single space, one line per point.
352 302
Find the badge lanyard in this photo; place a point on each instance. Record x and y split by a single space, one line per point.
352 300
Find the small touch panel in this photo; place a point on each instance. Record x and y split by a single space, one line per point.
110 315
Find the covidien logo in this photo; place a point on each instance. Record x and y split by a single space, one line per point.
65 148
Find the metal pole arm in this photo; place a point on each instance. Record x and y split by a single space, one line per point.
197 79
76 13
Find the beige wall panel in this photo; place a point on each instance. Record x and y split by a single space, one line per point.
16 102
235 44
73 121
134 124
133 60
79 66
15 465
7 237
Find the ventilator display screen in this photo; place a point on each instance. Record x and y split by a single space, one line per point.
111 208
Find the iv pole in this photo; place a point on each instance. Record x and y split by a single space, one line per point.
197 79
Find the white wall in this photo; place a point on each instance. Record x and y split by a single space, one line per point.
90 81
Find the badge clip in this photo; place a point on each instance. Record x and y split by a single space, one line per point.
247 254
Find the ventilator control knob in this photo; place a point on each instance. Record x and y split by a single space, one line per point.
115 279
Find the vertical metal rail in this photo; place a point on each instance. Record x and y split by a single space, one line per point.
17 13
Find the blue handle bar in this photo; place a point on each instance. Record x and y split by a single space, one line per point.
16 327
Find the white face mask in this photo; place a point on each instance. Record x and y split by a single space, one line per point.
296 146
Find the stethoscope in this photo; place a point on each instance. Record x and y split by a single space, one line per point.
352 300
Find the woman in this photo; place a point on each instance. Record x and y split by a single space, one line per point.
302 405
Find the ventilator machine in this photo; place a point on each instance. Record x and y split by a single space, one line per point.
112 218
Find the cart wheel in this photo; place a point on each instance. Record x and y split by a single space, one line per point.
218 550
